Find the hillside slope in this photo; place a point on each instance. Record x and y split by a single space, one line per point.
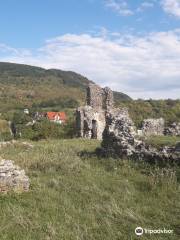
23 85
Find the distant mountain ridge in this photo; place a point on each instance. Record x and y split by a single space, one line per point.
23 85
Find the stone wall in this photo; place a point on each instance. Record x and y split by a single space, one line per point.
94 96
108 99
91 119
90 123
100 120
153 127
173 129
12 178
118 137
119 140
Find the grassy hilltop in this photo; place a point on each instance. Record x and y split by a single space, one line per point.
73 197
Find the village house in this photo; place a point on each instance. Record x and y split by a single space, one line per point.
57 117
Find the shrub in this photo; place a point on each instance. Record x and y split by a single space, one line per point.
43 130
21 118
5 136
62 103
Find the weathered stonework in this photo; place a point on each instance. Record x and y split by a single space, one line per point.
119 140
90 122
94 96
153 127
100 120
91 119
172 130
12 178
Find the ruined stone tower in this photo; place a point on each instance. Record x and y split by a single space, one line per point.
91 119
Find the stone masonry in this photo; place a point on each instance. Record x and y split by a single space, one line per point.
173 129
100 120
12 178
119 140
153 127
91 119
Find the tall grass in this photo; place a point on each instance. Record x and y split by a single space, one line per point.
161 141
4 127
75 197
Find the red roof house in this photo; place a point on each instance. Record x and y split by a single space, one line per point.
58 117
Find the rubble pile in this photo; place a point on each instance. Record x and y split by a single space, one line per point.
173 129
153 127
12 178
119 140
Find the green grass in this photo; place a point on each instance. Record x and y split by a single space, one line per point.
79 198
161 141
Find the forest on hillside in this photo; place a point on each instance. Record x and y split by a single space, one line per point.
41 90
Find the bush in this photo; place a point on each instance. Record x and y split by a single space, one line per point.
69 128
21 118
43 130
5 136
61 103
142 109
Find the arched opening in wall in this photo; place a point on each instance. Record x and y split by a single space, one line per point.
94 129
86 130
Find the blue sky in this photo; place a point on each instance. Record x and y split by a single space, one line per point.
132 46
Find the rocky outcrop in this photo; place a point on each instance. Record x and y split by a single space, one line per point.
153 127
173 129
12 178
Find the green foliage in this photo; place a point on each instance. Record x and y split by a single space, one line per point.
4 126
142 109
69 128
87 198
22 86
5 136
49 130
161 141
61 103
21 118
43 130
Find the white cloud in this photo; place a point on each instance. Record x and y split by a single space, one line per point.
144 6
143 67
172 7
119 6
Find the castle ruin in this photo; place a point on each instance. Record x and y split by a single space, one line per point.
100 120
91 119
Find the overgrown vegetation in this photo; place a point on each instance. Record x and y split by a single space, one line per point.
25 128
61 103
5 134
48 130
87 198
23 86
143 109
161 141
